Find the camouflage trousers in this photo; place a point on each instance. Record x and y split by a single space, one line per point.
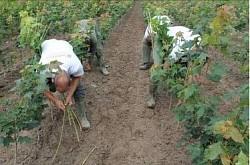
96 47
151 51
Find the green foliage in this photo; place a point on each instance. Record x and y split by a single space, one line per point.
162 41
171 79
81 47
188 92
212 138
213 151
220 27
25 113
232 131
220 138
55 17
32 32
227 130
9 18
217 71
242 159
196 152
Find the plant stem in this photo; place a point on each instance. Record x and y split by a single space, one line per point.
60 140
77 120
69 116
84 161
16 138
77 135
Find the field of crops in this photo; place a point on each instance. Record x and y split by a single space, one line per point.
202 108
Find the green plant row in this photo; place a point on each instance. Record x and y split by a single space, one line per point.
211 138
61 14
222 23
39 19
24 113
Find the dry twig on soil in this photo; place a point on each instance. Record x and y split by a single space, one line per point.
85 160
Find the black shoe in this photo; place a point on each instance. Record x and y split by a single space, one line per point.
145 66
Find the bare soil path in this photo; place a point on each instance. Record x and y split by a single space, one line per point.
124 130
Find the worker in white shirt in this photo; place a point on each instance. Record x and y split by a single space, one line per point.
64 77
180 35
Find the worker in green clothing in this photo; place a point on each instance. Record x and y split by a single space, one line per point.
91 27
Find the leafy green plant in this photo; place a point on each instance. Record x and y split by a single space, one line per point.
217 71
232 132
9 18
80 44
32 32
26 112
220 27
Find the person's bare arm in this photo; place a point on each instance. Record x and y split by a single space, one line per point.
73 85
58 103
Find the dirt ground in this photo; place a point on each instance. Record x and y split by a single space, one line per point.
123 130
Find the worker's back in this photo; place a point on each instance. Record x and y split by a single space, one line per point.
61 51
181 35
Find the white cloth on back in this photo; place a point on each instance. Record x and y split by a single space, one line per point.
61 51
176 31
182 35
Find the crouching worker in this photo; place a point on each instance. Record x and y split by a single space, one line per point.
147 42
91 28
177 36
64 75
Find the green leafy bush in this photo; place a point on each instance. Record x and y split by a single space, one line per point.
25 113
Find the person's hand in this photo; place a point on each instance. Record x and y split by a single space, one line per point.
68 101
59 104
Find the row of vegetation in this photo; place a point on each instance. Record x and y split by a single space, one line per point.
211 138
60 15
38 20
223 24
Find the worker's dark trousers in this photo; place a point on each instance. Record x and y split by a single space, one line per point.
79 96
